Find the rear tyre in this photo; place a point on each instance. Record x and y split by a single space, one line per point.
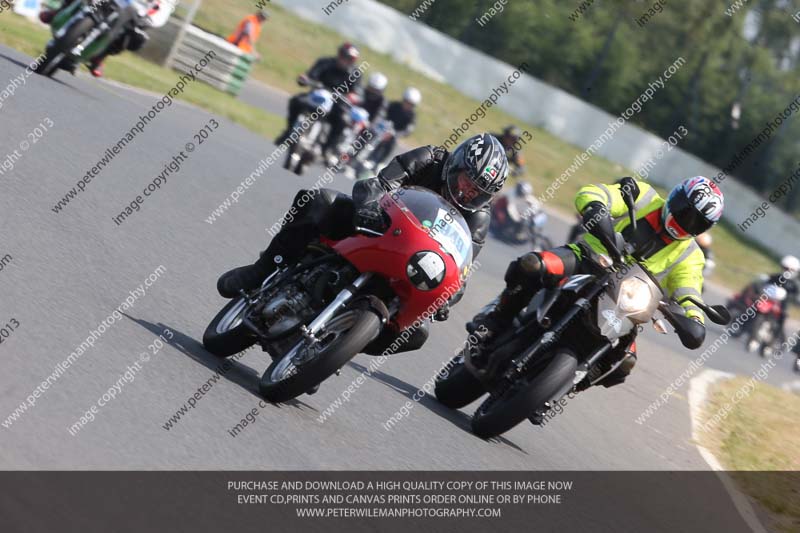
56 54
344 337
226 335
496 415
753 342
458 388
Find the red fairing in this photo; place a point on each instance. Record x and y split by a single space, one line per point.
768 306
388 257
499 209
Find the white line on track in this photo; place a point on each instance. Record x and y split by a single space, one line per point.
698 394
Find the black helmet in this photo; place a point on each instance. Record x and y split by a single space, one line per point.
475 171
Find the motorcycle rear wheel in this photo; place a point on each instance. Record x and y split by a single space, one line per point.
496 415
458 388
344 337
57 53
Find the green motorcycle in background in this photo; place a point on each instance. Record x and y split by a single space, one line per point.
84 29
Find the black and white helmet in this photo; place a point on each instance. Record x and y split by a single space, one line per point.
475 171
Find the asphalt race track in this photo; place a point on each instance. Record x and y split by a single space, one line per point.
71 269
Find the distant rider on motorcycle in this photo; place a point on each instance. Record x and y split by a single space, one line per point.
403 116
374 101
336 74
528 205
663 239
788 281
510 139
469 177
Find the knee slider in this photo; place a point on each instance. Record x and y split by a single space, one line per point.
524 269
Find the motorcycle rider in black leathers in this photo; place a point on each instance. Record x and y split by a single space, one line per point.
469 177
374 101
509 138
337 74
403 116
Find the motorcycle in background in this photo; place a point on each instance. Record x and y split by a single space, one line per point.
765 330
319 100
362 164
355 135
315 315
84 29
519 221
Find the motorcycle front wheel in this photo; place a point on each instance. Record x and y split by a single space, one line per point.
498 414
226 335
304 367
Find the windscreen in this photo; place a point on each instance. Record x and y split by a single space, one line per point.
442 220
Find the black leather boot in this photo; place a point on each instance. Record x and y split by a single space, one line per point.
247 277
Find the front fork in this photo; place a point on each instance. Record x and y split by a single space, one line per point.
344 296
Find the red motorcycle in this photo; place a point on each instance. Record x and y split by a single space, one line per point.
764 331
314 316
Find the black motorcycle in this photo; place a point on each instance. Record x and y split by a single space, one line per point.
568 337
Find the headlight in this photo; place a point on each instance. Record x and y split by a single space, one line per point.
634 296
426 270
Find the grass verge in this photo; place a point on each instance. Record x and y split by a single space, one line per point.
759 441
290 44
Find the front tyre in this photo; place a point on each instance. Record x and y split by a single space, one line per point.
498 414
227 335
301 369
458 387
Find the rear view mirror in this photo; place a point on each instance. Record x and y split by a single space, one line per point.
718 314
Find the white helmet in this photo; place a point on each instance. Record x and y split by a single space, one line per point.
791 264
412 96
378 82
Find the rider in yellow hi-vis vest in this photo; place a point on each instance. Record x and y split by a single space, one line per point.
248 32
663 239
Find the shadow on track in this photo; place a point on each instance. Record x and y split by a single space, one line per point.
53 79
230 369
457 418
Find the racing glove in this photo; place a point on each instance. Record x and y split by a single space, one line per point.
368 213
597 221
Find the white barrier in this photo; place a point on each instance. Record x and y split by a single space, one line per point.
443 58
227 71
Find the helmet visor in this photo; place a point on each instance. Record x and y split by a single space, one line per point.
465 193
687 216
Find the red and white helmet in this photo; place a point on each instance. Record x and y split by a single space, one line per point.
692 208
348 53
